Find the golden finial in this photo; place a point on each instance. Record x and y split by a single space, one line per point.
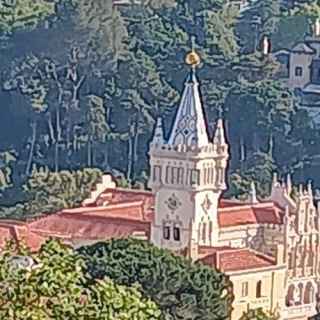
192 58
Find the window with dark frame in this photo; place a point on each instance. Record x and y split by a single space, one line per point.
298 71
244 291
176 233
180 175
194 177
166 232
259 289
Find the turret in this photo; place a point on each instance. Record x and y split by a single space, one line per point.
187 173
158 136
253 193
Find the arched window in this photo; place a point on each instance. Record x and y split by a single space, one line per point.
168 169
210 230
213 175
157 174
208 175
290 260
180 175
204 232
176 233
166 231
194 177
174 175
309 294
290 296
259 289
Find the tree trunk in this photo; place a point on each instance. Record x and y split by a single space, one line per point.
31 152
135 149
75 92
255 142
130 159
271 145
51 130
58 139
89 153
242 154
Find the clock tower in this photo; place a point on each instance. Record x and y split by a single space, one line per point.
187 173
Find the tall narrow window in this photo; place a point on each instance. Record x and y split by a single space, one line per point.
180 175
210 230
204 232
212 175
244 289
156 174
166 232
290 260
168 169
298 71
174 175
176 233
208 175
205 174
194 177
221 175
259 289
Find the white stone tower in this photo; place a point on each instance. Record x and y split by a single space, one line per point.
187 174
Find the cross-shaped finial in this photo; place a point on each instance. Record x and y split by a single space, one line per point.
193 43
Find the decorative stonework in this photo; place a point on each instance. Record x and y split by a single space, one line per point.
173 203
206 204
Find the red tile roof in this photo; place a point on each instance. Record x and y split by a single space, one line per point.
262 213
20 234
87 226
121 213
134 210
229 259
231 212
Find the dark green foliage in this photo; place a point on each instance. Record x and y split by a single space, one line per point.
258 314
6 162
258 169
22 14
181 289
49 192
91 97
52 284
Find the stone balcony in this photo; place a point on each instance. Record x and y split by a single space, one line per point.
263 302
299 311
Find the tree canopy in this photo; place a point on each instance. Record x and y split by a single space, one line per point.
91 98
181 289
52 284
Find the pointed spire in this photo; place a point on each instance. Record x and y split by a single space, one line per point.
289 184
219 134
275 179
309 189
300 189
253 193
189 126
158 136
